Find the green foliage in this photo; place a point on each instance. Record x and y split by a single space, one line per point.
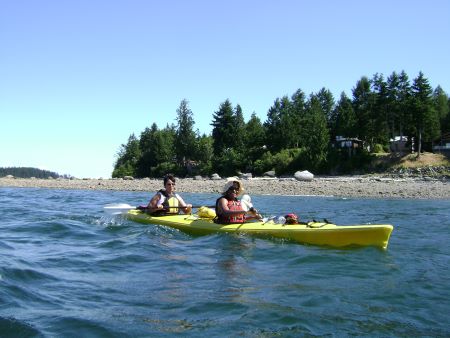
229 163
224 128
297 134
186 139
284 162
425 116
441 105
339 162
163 168
127 158
378 148
344 121
204 156
28 172
316 137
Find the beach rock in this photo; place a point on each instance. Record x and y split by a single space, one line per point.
9 176
246 176
128 178
198 178
303 176
215 177
270 173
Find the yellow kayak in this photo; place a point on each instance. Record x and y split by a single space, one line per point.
315 233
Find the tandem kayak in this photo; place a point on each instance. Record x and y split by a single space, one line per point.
315 233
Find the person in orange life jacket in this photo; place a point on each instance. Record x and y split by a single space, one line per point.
228 207
166 201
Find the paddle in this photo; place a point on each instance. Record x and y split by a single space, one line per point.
123 208
246 202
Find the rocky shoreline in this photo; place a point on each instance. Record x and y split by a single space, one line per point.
339 186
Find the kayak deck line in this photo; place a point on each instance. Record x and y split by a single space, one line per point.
315 233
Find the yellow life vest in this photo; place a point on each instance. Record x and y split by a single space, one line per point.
170 203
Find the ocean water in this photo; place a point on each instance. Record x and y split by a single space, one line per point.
69 270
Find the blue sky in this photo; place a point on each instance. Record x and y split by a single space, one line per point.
78 77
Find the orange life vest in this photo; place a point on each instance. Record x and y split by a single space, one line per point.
232 205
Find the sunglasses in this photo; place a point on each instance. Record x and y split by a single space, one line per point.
233 190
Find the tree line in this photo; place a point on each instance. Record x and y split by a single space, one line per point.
27 172
298 133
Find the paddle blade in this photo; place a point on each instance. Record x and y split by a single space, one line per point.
118 208
246 202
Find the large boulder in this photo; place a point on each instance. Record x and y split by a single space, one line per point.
246 176
304 175
270 173
215 177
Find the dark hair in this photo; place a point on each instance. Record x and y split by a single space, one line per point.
169 177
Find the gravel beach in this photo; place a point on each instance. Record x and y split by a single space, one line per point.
342 186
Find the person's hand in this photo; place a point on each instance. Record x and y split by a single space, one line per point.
188 209
253 211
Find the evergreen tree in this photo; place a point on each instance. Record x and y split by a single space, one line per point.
445 124
425 116
223 131
164 141
148 149
363 101
440 101
404 121
205 152
316 137
274 132
281 125
254 140
298 116
344 115
380 110
127 158
393 105
186 138
289 125
239 127
327 103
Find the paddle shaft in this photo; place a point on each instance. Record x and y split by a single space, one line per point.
194 206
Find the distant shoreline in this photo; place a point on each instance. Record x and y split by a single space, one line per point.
340 186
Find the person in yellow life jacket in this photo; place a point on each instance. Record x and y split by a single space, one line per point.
229 209
166 201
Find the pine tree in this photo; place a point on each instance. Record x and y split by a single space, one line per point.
223 131
316 137
254 139
380 110
127 158
281 131
440 101
405 121
273 126
186 138
424 115
363 102
298 108
239 127
346 122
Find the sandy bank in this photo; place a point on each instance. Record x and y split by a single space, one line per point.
359 186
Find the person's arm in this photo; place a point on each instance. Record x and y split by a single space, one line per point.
187 208
253 214
153 205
